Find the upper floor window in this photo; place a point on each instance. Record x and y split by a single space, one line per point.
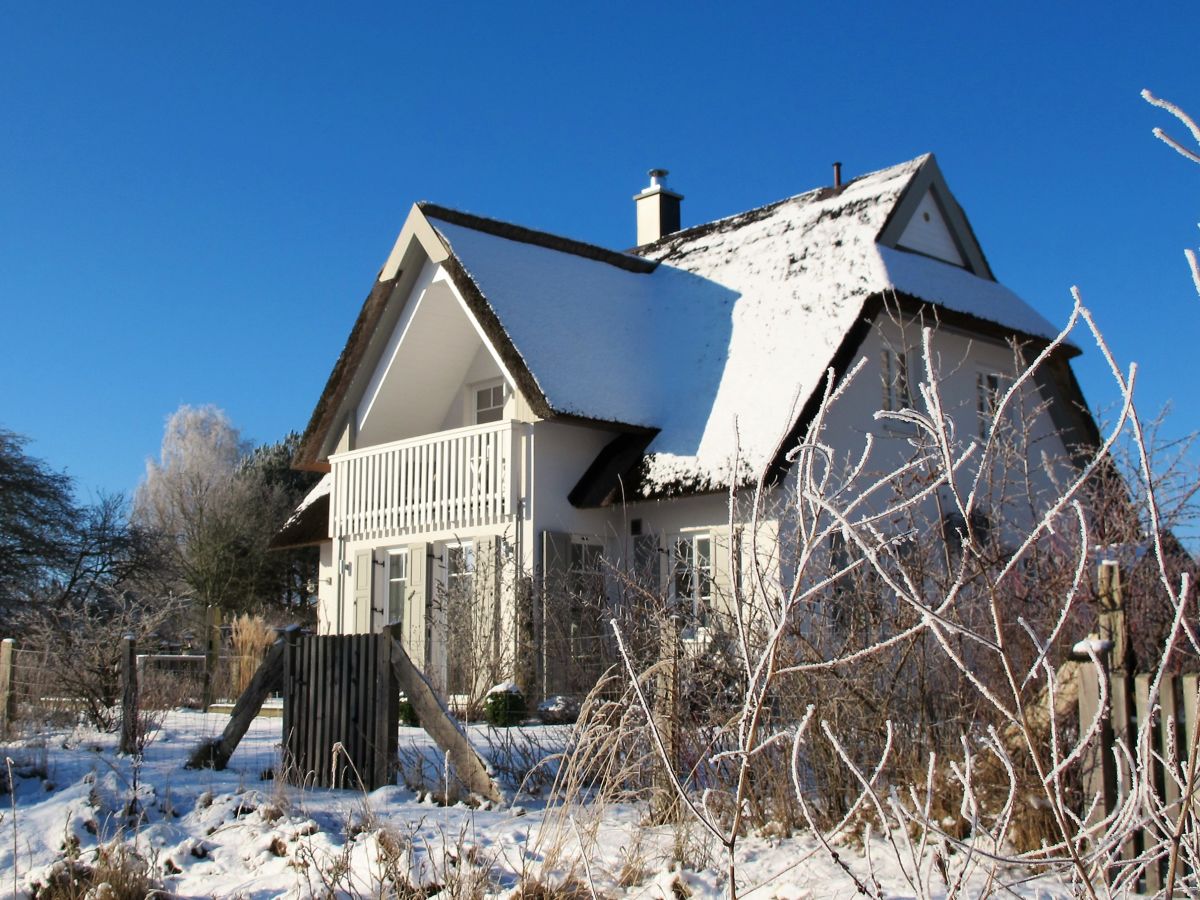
397 576
989 388
489 403
893 373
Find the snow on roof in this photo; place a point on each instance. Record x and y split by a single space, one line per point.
721 344
959 290
601 341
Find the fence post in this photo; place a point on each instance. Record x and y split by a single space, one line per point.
129 695
1122 713
7 695
212 652
668 713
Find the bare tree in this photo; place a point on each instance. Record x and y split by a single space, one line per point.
218 502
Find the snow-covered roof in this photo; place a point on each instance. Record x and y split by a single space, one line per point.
720 345
309 522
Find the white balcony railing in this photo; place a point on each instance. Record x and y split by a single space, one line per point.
451 479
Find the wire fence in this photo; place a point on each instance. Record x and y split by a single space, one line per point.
50 693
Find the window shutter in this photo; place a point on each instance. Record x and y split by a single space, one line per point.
364 582
415 620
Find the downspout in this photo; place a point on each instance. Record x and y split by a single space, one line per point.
341 584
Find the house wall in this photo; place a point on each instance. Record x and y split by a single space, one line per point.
959 358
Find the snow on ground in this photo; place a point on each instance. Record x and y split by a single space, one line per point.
243 833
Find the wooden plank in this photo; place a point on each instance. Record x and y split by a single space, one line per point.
129 695
353 737
7 694
1096 762
1171 726
375 735
267 678
1190 703
385 725
442 727
290 698
1146 718
314 686
343 664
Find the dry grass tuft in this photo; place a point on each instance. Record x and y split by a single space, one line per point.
251 637
118 873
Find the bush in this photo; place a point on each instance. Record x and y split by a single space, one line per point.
408 713
504 705
560 709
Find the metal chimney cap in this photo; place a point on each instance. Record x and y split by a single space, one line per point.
658 177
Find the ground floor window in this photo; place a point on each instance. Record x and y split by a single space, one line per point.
460 617
397 586
586 569
691 574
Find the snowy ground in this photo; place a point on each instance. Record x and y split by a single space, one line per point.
243 833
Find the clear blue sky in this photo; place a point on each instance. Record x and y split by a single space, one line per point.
195 198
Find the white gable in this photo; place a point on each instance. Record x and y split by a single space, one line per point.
435 349
928 233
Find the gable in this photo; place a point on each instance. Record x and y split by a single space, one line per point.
928 220
435 352
928 233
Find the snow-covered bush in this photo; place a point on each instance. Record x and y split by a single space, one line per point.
504 705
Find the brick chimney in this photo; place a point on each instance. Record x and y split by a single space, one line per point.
657 209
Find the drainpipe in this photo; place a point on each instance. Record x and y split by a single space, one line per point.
341 584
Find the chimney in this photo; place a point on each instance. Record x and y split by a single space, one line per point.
657 209
837 174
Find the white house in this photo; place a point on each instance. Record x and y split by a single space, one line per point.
512 404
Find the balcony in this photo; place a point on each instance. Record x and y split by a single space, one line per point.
450 480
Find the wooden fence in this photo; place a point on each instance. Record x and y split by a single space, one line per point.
1174 718
340 710
341 713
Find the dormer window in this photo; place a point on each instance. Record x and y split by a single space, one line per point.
489 403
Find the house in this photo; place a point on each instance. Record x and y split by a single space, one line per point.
512 406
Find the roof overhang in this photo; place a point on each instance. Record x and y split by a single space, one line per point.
417 243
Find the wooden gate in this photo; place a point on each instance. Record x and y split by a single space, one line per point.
340 710
1173 720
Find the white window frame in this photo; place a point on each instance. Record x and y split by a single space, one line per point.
467 549
473 407
698 591
397 557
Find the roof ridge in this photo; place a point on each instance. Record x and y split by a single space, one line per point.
820 193
545 239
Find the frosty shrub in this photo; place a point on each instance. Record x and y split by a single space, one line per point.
895 666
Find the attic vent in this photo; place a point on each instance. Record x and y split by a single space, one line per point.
657 209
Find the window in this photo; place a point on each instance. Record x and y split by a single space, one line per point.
397 587
462 644
585 569
893 374
989 388
460 569
489 403
691 573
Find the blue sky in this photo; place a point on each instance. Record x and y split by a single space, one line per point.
194 199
